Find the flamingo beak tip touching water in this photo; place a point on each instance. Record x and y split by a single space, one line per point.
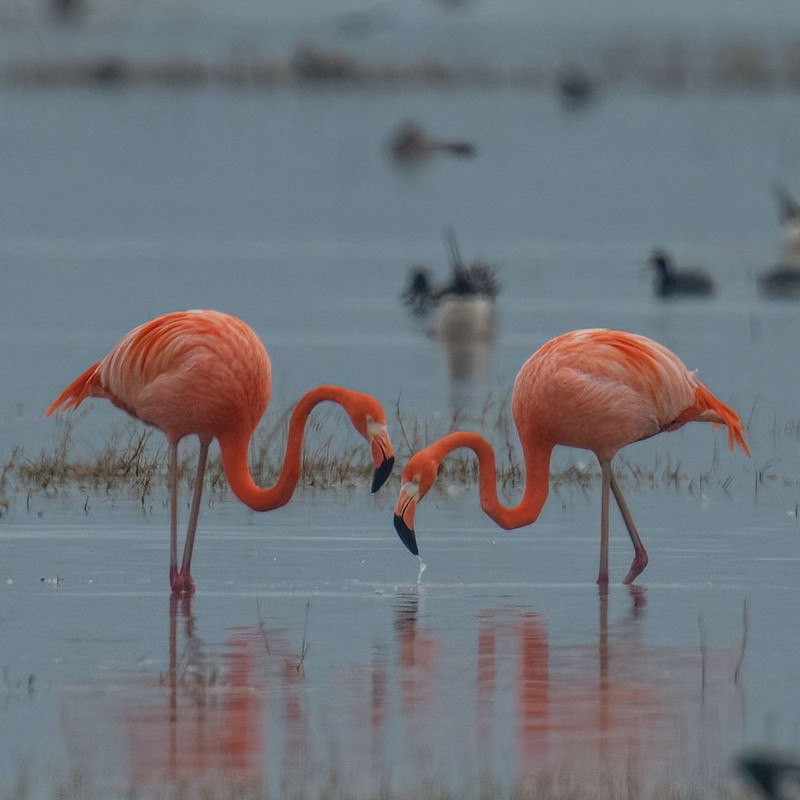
404 516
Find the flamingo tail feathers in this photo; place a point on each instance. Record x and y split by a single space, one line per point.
708 408
85 385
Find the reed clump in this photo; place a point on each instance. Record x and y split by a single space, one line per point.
133 460
644 63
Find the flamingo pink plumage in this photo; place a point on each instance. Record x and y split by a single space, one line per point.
594 389
207 373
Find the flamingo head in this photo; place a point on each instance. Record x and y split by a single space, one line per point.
418 477
369 419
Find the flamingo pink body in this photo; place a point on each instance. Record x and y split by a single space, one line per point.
207 373
593 389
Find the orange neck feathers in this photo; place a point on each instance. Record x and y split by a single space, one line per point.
537 477
235 451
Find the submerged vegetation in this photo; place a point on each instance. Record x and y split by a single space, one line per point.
133 460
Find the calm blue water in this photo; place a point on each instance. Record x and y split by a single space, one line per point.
309 649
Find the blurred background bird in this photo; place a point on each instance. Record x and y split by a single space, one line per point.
463 308
671 280
783 279
410 144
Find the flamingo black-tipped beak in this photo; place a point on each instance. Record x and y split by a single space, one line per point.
382 472
406 534
382 453
404 513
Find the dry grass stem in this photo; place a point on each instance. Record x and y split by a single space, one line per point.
133 460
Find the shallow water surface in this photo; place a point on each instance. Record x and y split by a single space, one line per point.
311 657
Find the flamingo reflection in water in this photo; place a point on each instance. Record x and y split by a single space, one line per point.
605 706
210 729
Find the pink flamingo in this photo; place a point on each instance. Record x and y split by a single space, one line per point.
594 389
207 373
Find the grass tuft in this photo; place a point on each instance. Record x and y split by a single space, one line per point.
134 460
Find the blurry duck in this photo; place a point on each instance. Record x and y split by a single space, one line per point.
783 279
468 283
772 772
671 280
574 86
412 145
463 310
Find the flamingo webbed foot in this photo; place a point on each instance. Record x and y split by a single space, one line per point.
181 583
637 567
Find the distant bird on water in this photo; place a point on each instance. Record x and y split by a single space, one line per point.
207 373
772 772
463 310
594 389
575 87
789 212
411 144
671 280
476 281
783 279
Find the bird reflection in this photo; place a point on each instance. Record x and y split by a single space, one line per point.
417 652
598 706
211 726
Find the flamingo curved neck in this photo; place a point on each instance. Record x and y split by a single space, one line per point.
235 455
537 478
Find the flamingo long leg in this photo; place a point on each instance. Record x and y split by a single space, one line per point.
639 553
173 512
602 577
194 513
